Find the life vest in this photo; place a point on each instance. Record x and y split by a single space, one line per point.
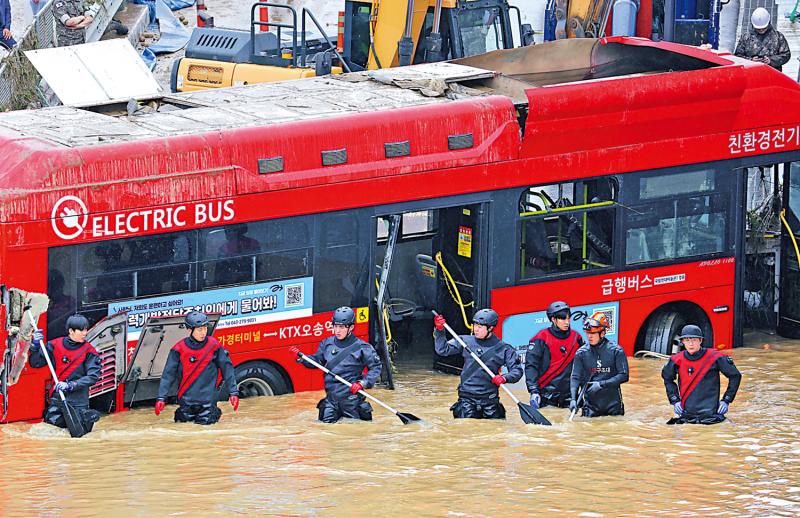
690 372
194 362
67 360
562 352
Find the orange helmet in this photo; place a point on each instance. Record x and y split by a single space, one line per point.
596 323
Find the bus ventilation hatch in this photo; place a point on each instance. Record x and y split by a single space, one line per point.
108 372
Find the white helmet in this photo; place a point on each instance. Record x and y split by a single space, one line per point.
760 18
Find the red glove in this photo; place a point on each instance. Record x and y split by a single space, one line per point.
160 406
234 402
498 380
355 387
439 322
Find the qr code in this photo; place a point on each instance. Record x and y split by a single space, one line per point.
293 295
611 315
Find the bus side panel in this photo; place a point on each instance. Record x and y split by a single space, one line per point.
633 295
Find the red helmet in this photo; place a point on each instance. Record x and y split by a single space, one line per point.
596 323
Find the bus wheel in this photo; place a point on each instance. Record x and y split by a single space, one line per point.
259 379
663 329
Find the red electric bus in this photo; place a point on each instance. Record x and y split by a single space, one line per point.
608 173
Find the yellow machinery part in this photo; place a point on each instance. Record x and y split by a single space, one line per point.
389 24
201 74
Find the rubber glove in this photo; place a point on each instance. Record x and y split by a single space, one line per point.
160 406
234 402
439 322
593 387
498 380
723 408
294 350
355 387
678 408
573 405
38 336
536 399
69 386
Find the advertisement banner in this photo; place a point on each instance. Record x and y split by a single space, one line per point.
238 306
519 329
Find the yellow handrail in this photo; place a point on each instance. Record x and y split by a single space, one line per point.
453 289
565 209
791 236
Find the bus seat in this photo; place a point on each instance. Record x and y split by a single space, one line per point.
426 273
636 249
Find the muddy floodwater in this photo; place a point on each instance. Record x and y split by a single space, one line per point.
273 458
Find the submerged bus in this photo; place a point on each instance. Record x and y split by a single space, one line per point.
608 173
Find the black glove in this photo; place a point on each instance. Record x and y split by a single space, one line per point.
573 405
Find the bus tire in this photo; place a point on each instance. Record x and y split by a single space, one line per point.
663 328
260 379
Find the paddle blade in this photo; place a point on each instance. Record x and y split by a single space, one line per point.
407 418
72 418
532 416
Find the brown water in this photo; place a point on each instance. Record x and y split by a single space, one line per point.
273 458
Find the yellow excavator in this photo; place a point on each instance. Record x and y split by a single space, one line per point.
371 34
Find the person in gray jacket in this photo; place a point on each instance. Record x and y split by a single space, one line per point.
347 356
478 392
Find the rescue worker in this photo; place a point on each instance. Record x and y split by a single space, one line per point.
763 43
695 398
598 371
350 358
548 361
478 392
72 17
196 362
77 367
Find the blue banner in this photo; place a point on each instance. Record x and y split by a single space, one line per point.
519 329
238 306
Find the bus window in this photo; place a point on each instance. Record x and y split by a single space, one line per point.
257 251
342 272
684 215
567 227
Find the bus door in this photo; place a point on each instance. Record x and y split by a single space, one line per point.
425 260
789 301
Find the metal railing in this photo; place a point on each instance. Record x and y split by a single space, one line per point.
19 80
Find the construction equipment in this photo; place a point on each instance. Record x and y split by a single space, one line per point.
372 34
575 19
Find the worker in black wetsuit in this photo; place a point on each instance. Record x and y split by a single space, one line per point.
77 367
478 391
548 360
197 362
695 397
598 371
349 357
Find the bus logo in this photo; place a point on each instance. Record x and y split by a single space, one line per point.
69 217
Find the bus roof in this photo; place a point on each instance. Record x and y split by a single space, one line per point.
595 106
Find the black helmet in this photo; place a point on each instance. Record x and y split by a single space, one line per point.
691 331
485 317
557 307
77 322
344 316
196 319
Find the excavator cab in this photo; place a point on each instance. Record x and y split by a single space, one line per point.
372 29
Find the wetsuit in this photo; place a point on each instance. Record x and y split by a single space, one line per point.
75 362
347 358
698 384
198 366
605 363
548 364
477 396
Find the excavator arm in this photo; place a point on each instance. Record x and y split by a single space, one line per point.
576 18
